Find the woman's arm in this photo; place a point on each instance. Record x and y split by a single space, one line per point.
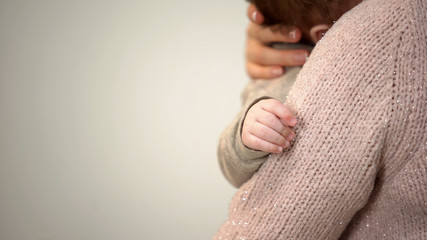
344 97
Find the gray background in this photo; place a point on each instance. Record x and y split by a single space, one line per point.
110 113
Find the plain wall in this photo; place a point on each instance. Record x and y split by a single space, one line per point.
110 113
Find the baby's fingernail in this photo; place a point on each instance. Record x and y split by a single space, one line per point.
286 144
290 137
277 71
293 121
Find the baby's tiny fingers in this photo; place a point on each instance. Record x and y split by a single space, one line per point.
268 134
288 133
282 111
262 145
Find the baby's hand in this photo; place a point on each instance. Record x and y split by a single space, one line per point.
267 126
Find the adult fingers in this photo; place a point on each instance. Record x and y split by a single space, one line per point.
264 55
257 71
273 33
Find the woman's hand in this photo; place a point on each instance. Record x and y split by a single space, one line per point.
267 126
263 61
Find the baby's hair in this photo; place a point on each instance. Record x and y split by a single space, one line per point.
300 13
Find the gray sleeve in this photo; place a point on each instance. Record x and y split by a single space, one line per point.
237 162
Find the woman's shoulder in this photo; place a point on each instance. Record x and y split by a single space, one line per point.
383 17
361 53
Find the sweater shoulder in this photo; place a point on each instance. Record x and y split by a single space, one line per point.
364 45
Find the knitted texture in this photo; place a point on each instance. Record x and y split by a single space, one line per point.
238 163
357 168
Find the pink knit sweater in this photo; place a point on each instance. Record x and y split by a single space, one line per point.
357 169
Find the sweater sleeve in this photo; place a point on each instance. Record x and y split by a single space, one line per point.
343 98
313 190
237 162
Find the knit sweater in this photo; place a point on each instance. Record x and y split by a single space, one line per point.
237 162
357 169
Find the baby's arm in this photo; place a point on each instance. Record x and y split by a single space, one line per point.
238 162
267 126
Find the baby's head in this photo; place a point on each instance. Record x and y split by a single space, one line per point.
313 17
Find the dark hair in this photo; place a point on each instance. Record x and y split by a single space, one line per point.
300 13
